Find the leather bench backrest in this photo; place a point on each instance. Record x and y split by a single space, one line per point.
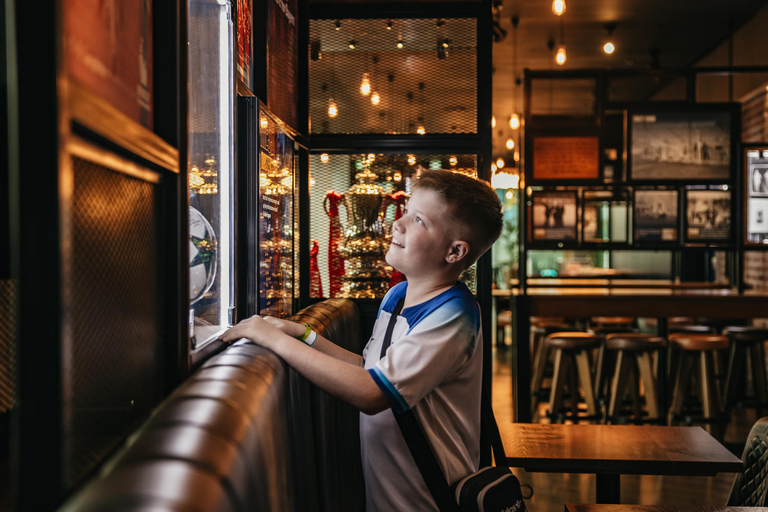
243 433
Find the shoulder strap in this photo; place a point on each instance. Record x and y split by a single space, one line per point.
391 327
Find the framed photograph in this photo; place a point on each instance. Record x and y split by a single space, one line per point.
605 217
708 215
690 145
755 158
655 216
554 216
566 158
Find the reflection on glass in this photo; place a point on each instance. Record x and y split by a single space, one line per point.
210 170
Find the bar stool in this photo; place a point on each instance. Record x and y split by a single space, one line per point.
746 341
701 347
571 350
542 352
633 365
603 326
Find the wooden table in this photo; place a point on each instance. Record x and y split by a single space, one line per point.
609 451
573 507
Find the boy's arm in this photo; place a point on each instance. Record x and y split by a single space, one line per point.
349 382
322 344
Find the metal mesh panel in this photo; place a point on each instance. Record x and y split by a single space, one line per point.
427 86
115 355
8 326
340 217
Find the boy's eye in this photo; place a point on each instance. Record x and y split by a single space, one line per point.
418 219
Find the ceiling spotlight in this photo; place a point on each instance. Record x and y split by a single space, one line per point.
324 158
352 44
333 110
337 24
499 163
560 57
514 121
558 7
375 98
510 144
365 85
400 42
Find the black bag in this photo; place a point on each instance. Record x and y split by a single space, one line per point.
490 489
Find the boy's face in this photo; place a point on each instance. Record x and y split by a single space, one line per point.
421 238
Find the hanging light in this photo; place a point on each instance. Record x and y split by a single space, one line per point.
558 7
375 98
420 130
453 160
324 158
493 121
371 157
389 25
514 121
609 48
516 156
561 56
493 167
263 122
400 42
365 85
352 44
411 160
398 177
337 24
510 144
504 180
333 110
499 163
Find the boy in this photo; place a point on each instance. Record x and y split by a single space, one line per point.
434 362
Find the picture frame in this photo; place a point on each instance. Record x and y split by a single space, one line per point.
691 143
566 158
755 208
605 217
655 216
708 215
554 216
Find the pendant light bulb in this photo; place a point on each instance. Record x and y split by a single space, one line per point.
609 48
420 130
558 7
560 57
493 121
500 163
333 110
453 161
324 158
365 85
399 43
375 98
510 144
514 121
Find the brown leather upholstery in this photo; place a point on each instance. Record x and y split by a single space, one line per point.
244 432
634 341
573 340
746 334
686 341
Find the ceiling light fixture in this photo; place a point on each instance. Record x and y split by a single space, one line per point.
352 44
558 7
365 85
400 42
375 98
493 119
333 110
561 56
389 25
609 47
499 163
337 25
510 144
514 121
324 158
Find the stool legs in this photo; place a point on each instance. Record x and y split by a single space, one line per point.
644 365
578 364
705 376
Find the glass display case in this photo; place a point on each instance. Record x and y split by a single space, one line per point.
210 160
354 200
277 218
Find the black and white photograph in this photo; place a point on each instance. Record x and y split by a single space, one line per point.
554 216
681 146
708 214
655 215
758 181
590 214
757 219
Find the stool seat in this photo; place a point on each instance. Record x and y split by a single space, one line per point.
634 341
679 320
691 329
573 340
744 334
542 320
686 341
604 330
612 320
547 328
504 318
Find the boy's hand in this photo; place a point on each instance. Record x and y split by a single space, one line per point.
292 329
255 329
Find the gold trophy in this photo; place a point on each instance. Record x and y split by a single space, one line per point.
363 248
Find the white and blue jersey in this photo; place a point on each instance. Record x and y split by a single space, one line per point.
433 366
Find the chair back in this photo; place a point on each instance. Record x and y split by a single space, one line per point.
749 488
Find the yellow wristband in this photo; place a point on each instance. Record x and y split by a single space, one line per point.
306 334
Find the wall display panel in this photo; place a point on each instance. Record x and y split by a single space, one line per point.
566 158
656 216
680 145
210 158
108 49
755 163
354 200
282 59
707 215
244 42
553 216
605 217
276 218
418 77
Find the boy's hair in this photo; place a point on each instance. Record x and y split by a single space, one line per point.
473 206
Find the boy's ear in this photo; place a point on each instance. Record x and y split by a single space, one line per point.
458 251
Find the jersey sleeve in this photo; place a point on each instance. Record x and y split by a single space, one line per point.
417 363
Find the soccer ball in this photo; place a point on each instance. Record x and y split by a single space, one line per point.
203 255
